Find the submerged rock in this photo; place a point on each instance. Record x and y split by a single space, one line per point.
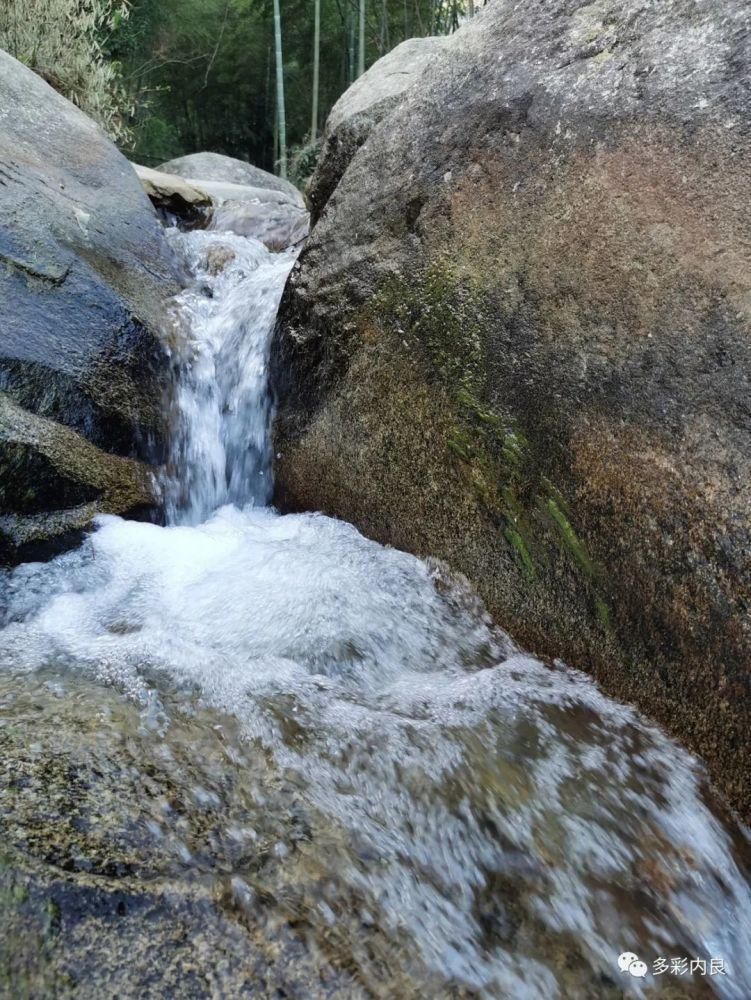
277 225
121 843
264 214
518 339
84 274
217 258
216 167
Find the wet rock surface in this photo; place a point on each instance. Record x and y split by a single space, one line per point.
518 339
277 224
262 214
123 839
150 849
84 275
53 482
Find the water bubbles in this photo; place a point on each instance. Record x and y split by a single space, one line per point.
470 800
390 765
221 451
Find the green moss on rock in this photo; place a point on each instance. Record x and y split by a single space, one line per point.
54 482
542 304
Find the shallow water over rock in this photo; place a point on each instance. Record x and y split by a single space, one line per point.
247 753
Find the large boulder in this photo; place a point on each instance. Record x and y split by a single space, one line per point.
519 339
84 274
360 108
216 167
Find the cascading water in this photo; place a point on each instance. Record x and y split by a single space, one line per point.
444 814
221 447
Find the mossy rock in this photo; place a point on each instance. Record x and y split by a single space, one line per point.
518 340
53 482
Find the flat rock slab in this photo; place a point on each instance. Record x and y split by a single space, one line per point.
169 190
216 167
266 214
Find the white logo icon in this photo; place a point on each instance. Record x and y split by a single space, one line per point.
626 959
631 963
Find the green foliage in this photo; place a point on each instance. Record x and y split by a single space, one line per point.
158 138
64 41
168 77
206 67
302 162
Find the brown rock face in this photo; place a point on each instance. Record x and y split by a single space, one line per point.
520 340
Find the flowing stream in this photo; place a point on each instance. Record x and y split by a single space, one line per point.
440 814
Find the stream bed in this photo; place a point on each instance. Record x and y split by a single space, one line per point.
246 754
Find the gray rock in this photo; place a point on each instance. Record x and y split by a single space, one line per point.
225 191
265 214
84 273
360 108
215 167
173 194
53 482
278 226
519 339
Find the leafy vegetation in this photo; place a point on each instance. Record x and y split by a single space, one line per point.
169 77
203 72
65 41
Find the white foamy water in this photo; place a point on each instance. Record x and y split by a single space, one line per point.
503 821
221 442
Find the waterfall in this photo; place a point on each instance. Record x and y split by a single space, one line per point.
442 802
221 450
